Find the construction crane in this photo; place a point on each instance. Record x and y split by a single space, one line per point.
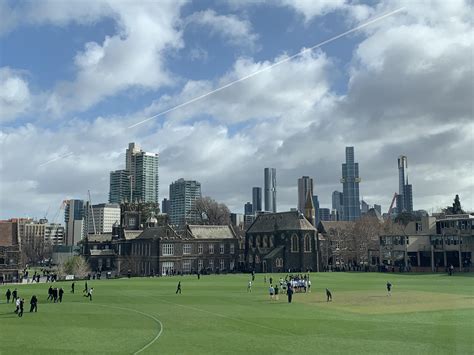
391 205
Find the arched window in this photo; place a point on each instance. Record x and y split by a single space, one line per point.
307 243
250 259
294 243
265 241
257 241
272 241
250 241
279 262
257 259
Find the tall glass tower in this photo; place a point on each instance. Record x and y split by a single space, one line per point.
350 186
256 199
270 189
183 196
405 193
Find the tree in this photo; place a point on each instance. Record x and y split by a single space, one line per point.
209 211
77 266
36 250
366 232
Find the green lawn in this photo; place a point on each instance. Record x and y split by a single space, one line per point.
426 314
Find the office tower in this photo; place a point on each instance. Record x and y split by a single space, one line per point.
316 209
364 207
165 206
305 186
101 217
405 192
183 196
338 204
256 199
119 186
350 186
248 209
270 189
324 214
140 175
74 219
378 208
237 220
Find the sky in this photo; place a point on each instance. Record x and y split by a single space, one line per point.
75 76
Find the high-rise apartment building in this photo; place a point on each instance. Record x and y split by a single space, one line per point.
165 206
256 199
183 195
270 189
140 175
100 218
338 204
74 219
405 192
350 186
305 186
120 181
248 209
324 214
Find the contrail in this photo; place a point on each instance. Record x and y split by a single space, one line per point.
352 30
57 158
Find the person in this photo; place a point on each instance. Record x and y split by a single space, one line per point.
249 286
199 275
271 281
15 294
178 289
451 269
22 302
34 304
276 292
50 293
17 304
85 288
55 294
309 285
389 288
89 293
253 275
60 294
265 279
72 287
328 296
271 290
8 294
289 293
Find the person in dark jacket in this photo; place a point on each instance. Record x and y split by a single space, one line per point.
14 294
178 289
328 296
289 293
34 304
72 287
60 294
50 293
22 302
8 294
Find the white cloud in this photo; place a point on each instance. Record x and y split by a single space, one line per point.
230 27
313 8
15 96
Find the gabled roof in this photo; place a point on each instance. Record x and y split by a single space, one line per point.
163 232
105 237
131 234
326 226
211 232
274 252
280 221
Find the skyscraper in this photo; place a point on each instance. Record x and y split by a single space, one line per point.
248 209
317 218
324 214
305 185
256 199
338 204
350 186
74 219
364 207
405 192
183 196
270 189
165 206
140 175
100 218
119 186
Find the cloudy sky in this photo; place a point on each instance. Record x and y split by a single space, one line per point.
75 75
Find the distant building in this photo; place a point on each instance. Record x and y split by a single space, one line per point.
248 209
256 199
378 208
305 185
101 217
364 207
350 183
324 214
183 196
165 206
270 189
338 204
9 251
74 219
119 186
54 234
317 218
237 220
405 190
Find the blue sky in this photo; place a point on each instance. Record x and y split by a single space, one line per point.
74 75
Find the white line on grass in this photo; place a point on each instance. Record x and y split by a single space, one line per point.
231 318
144 314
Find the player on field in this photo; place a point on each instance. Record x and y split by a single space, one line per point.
389 288
328 296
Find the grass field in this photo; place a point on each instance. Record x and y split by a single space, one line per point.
426 314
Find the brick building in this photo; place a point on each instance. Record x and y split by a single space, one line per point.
9 251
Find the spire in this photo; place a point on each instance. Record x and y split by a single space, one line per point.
309 208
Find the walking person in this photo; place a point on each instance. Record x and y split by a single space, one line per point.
276 292
178 289
55 294
328 296
14 295
34 304
22 302
271 290
89 293
249 286
8 294
50 293
60 294
389 288
72 287
289 293
85 288
17 304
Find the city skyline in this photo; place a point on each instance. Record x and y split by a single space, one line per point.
66 117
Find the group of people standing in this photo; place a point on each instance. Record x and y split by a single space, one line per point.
55 295
19 302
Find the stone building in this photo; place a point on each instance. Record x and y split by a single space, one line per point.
9 251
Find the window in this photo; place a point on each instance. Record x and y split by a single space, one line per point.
257 259
187 266
199 248
200 265
107 263
294 243
211 264
265 241
231 265
279 262
211 248
257 241
186 249
221 248
167 249
222 264
232 248
307 243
